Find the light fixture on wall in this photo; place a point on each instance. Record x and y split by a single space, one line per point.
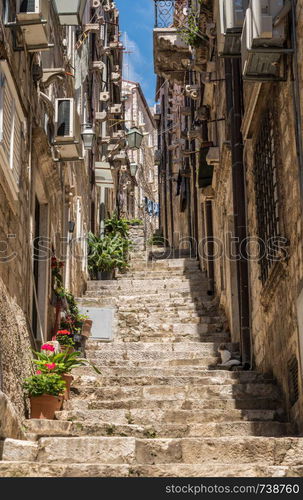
71 226
133 169
134 138
88 136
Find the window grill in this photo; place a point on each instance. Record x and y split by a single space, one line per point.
164 13
171 13
267 195
293 380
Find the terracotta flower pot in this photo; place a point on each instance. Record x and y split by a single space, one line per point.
45 406
68 380
87 326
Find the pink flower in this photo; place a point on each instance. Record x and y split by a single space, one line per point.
51 366
38 372
48 347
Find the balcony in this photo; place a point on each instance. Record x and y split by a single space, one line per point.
172 55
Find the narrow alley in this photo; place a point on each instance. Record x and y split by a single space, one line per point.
151 243
161 406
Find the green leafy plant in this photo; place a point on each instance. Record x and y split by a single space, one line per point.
114 226
138 222
37 385
65 338
64 362
107 254
190 30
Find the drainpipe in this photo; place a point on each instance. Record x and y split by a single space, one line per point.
296 93
298 123
210 247
234 109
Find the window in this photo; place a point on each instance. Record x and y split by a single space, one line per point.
266 189
11 130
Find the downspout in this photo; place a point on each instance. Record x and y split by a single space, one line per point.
298 124
296 92
234 109
210 248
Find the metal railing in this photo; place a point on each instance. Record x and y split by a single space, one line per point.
266 187
164 13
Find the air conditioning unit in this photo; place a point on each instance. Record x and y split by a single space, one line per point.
103 174
262 42
115 76
231 19
120 134
32 16
104 96
98 65
67 128
116 109
109 6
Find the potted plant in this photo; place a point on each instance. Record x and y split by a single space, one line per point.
136 222
105 255
65 339
46 394
62 363
83 321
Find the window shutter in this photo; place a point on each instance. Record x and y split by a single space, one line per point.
17 149
7 121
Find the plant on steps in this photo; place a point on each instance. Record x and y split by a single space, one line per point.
46 394
107 254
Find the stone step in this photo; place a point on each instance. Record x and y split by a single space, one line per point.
153 274
149 416
147 290
205 376
167 337
205 362
170 359
174 388
165 330
161 281
196 404
42 428
153 298
132 451
94 347
38 469
168 323
167 264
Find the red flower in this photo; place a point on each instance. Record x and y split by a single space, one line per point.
63 332
51 366
48 347
53 262
38 372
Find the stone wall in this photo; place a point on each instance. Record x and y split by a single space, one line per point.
15 349
273 305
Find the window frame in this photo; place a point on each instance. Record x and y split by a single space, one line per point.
7 163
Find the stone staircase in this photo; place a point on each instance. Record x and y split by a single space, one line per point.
161 407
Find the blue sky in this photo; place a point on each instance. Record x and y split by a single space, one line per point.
136 25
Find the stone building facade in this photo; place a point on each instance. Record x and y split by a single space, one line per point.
51 77
141 198
243 134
